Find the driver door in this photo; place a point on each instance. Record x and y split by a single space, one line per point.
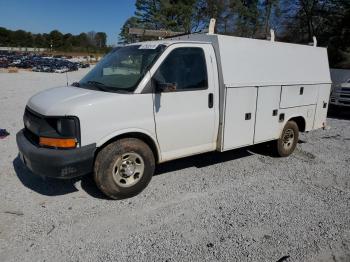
184 107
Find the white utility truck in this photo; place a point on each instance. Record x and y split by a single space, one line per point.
151 102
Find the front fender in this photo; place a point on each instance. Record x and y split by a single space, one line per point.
124 132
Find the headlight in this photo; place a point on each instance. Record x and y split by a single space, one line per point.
56 132
66 127
60 133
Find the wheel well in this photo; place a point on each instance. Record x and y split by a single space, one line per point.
300 121
145 138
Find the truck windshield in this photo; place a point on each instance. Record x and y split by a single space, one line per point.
122 69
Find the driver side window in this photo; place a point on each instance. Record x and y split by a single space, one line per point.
183 69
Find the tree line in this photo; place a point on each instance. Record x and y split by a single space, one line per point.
295 21
55 40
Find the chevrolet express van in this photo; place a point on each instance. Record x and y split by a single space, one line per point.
152 102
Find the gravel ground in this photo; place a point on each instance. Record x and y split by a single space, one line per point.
242 205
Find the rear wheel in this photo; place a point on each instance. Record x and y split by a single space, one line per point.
286 144
124 168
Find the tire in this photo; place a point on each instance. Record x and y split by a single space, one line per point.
124 168
288 141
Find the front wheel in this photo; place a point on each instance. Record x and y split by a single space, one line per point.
286 144
124 168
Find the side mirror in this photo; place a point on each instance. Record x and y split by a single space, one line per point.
165 87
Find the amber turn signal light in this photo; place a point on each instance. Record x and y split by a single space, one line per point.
58 142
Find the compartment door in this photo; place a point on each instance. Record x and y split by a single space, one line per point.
322 105
267 126
298 95
239 117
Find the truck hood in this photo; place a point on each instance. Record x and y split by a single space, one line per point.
61 101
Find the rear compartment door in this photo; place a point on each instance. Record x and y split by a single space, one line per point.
240 107
322 105
267 126
298 95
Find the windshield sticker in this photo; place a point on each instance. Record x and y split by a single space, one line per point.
148 46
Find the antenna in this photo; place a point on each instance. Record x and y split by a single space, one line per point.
212 26
315 41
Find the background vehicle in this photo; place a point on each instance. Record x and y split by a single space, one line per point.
152 102
38 63
340 95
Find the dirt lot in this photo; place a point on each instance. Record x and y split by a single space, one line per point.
242 205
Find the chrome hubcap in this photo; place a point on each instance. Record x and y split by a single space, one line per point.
128 169
288 139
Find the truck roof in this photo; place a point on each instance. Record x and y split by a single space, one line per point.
168 42
255 62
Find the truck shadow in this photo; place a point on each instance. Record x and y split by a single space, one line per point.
202 160
54 187
57 187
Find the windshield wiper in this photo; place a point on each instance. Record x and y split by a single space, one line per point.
95 83
103 87
100 86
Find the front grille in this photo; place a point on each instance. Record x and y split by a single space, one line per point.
30 114
32 121
345 96
32 124
345 89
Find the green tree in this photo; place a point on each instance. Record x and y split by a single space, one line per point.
4 36
67 42
18 38
56 39
101 39
204 10
39 40
173 15
177 15
148 13
60 42
269 9
124 36
83 41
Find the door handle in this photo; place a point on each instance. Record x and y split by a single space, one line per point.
281 118
248 116
210 100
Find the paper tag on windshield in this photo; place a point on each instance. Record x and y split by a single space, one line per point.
148 46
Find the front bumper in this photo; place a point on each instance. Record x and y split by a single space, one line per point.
54 162
339 101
